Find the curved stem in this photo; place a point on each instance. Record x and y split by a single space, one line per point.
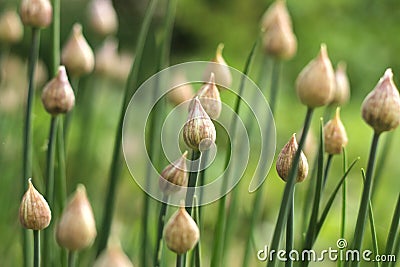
160 227
36 248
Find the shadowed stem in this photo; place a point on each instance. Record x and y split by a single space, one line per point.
36 248
160 227
289 231
27 136
362 214
285 204
179 260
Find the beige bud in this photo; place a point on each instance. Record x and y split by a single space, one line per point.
223 75
113 256
276 12
174 176
34 212
210 99
106 56
36 13
58 96
102 17
279 41
342 88
76 55
181 233
198 129
315 84
11 29
76 229
335 136
285 161
381 107
182 93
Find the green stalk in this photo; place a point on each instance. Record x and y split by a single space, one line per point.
27 136
382 159
366 196
55 37
344 200
130 89
197 248
284 208
202 178
68 116
179 260
161 222
327 168
396 250
393 232
36 248
221 220
71 258
192 180
289 230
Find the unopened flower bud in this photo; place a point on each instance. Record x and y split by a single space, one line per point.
315 84
11 29
381 107
342 88
210 99
77 56
76 229
174 176
335 136
277 11
36 13
34 212
198 129
102 17
58 96
113 256
285 161
182 93
223 75
181 232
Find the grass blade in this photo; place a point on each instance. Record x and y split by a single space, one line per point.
393 232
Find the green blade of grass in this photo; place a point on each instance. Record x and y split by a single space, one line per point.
393 232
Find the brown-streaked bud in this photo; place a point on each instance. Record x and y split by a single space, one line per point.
34 212
102 17
76 55
315 84
76 229
11 29
223 75
58 96
342 86
113 256
210 99
199 131
36 13
174 176
285 161
277 11
182 93
381 107
335 137
181 232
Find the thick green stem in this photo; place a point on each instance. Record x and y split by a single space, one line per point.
285 204
36 248
366 196
192 180
71 258
179 260
27 136
289 231
160 228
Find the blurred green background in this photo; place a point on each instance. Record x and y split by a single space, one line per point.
363 33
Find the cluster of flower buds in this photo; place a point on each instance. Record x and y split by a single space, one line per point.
36 13
11 29
335 136
278 37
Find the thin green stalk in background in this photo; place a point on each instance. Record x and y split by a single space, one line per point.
221 220
55 38
327 168
36 248
130 89
396 250
393 232
366 196
68 116
382 159
160 228
344 200
289 230
27 136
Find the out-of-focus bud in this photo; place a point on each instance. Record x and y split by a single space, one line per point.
113 256
210 99
76 55
34 212
58 96
285 161
342 88
102 17
335 136
199 131
181 93
36 13
277 11
76 229
381 107
174 176
181 232
315 84
11 29
223 75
